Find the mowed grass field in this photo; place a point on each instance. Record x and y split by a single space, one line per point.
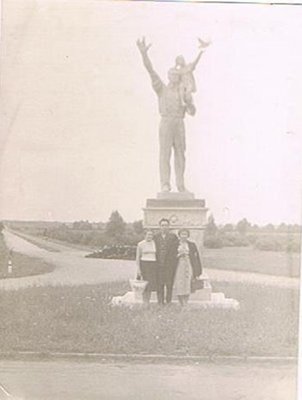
248 259
81 319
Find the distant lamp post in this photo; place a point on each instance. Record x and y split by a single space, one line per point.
10 267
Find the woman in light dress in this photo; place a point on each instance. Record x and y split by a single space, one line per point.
188 266
146 264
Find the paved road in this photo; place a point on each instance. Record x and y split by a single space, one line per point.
73 269
63 380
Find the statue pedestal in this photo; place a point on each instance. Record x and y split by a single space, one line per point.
181 209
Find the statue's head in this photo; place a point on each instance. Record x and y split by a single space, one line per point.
180 61
173 75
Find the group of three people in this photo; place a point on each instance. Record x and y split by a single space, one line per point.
168 263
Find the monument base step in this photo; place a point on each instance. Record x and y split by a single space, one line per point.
216 300
175 196
200 295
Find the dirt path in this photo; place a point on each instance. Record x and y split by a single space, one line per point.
72 268
67 380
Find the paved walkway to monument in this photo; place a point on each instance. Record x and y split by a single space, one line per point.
72 268
68 380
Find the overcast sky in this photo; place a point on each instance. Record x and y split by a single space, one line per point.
80 120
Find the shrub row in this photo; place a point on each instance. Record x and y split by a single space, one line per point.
267 243
290 245
226 240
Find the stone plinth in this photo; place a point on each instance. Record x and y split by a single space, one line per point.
175 196
204 294
202 298
181 209
216 300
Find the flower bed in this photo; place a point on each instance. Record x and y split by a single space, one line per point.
116 252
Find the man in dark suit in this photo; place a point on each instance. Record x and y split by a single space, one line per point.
166 244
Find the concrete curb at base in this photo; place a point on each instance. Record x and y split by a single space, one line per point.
103 357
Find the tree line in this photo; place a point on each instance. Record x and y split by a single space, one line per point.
118 232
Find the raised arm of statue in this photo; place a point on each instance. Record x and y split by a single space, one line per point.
143 48
196 61
202 46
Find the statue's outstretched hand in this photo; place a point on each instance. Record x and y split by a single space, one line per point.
143 47
203 44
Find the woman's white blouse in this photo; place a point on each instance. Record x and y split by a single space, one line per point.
146 251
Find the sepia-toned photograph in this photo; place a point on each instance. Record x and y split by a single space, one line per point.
150 200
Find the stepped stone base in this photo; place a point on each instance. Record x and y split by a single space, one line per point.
202 298
217 300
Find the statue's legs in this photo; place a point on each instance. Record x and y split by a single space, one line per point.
172 134
179 145
165 148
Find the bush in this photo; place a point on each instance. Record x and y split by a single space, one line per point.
230 239
235 240
213 242
293 247
117 232
289 244
252 238
268 244
115 252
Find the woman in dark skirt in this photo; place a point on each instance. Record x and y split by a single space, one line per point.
146 264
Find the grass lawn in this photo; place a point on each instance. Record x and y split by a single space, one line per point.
253 260
22 265
80 319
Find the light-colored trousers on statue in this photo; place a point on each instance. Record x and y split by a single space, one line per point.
172 135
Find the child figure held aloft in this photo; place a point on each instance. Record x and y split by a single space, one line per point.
187 81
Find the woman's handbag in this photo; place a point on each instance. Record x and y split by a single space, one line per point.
196 284
138 287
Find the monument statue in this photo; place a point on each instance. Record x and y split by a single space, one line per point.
175 101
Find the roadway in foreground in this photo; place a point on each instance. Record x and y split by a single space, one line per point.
81 380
